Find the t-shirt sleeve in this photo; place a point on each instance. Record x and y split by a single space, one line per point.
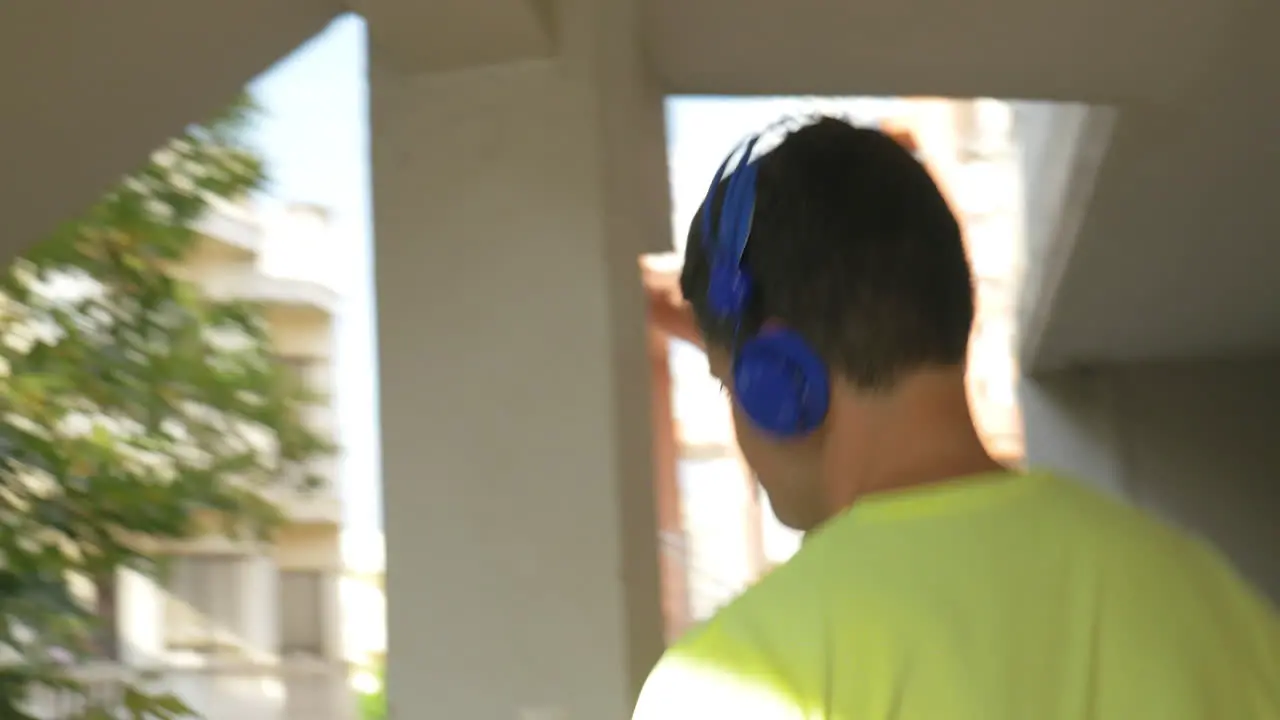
712 677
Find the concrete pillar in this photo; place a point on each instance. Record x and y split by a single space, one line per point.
1192 442
511 203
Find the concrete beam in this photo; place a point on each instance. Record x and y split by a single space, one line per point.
1095 50
511 203
422 37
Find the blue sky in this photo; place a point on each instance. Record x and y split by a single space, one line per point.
314 133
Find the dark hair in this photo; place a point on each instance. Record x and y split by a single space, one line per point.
854 247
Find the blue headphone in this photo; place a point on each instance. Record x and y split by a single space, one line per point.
779 381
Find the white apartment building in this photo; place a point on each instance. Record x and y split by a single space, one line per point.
242 630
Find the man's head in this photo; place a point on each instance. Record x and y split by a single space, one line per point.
852 247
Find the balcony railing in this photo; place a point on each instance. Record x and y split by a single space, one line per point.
252 285
235 226
294 689
708 590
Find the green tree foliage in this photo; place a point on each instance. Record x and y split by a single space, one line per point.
129 405
373 704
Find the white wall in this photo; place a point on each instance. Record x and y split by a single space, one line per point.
1194 442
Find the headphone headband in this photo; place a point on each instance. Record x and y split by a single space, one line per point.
726 237
725 234
778 381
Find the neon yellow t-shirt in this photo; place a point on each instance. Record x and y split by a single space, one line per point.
1001 597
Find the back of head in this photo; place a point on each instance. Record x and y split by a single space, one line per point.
853 247
836 301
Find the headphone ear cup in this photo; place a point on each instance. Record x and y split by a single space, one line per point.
781 383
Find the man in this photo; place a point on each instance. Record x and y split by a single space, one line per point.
831 287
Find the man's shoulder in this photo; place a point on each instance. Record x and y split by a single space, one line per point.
779 606
722 668
748 621
738 661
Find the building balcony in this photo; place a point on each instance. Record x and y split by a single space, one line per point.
235 635
292 689
252 285
234 229
321 505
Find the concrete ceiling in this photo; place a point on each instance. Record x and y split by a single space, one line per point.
89 89
1097 50
1177 255
441 35
1171 257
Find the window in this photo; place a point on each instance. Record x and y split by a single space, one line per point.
991 363
780 541
985 126
105 644
714 498
992 242
302 612
204 609
302 368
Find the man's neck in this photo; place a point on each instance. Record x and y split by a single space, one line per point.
920 433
